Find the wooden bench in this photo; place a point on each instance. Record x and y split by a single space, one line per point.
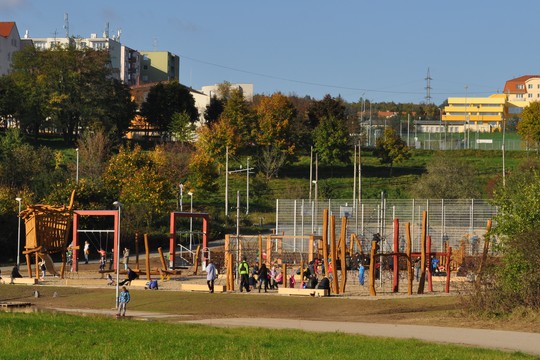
23 280
201 287
136 283
304 292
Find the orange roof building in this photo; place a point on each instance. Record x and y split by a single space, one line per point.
10 42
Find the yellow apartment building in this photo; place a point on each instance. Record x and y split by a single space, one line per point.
484 114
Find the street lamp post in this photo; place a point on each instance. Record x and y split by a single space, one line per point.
190 220
19 232
180 200
77 171
118 205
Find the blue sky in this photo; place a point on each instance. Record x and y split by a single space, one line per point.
380 50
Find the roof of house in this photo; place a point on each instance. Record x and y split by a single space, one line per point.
511 85
6 27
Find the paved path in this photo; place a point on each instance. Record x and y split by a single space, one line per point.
495 339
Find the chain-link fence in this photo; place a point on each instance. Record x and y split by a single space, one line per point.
447 220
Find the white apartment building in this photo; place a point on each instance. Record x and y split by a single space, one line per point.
125 62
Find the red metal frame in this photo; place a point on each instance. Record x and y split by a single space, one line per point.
76 215
173 216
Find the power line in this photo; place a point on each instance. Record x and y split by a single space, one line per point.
322 84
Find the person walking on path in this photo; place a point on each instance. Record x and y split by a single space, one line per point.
263 277
123 299
211 275
243 270
43 269
86 251
126 258
361 271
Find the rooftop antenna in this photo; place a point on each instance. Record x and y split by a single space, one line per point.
428 87
66 24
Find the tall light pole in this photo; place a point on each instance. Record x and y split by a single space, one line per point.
118 205
19 232
181 198
77 171
247 185
227 181
190 219
77 166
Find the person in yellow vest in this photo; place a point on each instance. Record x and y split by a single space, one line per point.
243 270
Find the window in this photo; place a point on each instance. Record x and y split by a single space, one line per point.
520 86
530 86
530 95
519 96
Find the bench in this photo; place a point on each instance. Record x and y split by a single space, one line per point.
23 280
136 283
201 287
304 292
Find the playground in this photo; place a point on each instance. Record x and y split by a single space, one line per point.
391 270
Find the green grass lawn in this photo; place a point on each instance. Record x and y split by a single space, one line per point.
61 336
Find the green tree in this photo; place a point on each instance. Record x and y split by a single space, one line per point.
181 127
24 167
391 148
213 110
447 177
166 99
9 99
514 281
273 134
239 115
137 178
69 89
328 107
529 126
331 140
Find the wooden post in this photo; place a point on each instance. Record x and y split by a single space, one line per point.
395 282
147 257
310 248
422 281
284 275
37 265
162 258
137 250
325 241
63 268
410 273
268 251
484 254
430 272
333 253
372 291
343 254
448 260
260 250
196 260
28 264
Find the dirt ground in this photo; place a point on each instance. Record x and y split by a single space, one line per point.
89 291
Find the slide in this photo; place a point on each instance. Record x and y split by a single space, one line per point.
48 263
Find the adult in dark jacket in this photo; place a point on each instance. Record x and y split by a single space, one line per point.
131 275
263 277
324 284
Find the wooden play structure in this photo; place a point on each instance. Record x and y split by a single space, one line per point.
47 232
